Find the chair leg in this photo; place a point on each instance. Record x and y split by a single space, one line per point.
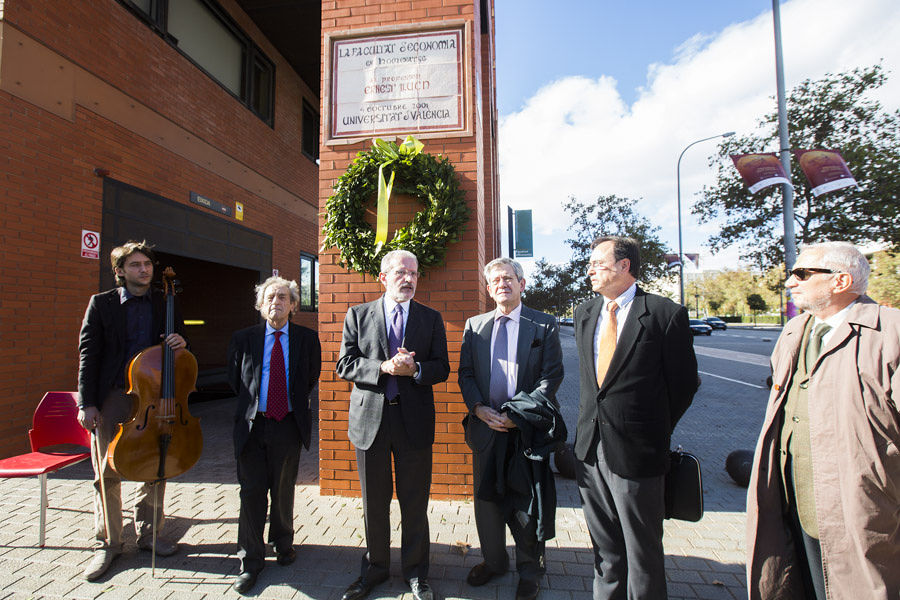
43 479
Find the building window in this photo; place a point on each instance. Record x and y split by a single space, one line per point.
203 32
309 282
310 134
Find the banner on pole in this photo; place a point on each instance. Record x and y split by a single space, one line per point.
760 170
825 170
524 235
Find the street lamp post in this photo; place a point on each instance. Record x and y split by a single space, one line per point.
678 179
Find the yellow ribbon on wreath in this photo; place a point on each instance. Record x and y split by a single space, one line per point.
405 151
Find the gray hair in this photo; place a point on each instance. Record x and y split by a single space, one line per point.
846 258
390 256
280 282
499 262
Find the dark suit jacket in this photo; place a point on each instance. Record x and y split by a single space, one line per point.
245 358
365 346
650 383
538 354
101 344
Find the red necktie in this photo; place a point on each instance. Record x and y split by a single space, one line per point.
277 398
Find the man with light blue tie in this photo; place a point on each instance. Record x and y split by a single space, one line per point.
272 368
394 350
510 366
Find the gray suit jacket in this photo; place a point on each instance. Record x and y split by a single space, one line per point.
538 354
365 346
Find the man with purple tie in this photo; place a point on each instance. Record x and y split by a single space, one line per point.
393 350
510 366
272 368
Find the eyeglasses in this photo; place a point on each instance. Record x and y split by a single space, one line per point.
402 273
804 273
507 279
600 266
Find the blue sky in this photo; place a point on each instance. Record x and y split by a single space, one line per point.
600 97
593 38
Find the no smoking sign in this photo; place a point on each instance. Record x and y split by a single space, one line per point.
90 244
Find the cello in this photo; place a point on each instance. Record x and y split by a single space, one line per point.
161 439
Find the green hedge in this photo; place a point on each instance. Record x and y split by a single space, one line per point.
760 319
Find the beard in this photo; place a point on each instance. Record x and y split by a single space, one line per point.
814 303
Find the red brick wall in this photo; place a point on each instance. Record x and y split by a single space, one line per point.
49 192
455 289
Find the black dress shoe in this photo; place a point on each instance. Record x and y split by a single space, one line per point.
527 590
245 582
480 575
420 589
360 588
286 558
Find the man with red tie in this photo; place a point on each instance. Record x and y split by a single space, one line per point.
272 368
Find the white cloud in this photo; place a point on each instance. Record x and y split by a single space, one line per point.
576 136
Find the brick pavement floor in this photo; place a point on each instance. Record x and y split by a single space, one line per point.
703 560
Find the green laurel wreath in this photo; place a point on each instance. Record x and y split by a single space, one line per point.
430 179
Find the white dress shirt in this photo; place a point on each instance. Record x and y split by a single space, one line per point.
834 320
624 303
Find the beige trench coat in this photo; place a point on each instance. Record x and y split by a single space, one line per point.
854 427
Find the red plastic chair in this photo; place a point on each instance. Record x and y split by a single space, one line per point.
57 440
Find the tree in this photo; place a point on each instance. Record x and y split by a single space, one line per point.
884 282
550 288
831 113
613 215
756 303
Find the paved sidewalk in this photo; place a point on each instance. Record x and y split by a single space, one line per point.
704 560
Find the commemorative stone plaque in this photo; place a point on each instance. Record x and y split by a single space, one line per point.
409 83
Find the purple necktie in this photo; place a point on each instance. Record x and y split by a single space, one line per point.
395 340
277 398
499 390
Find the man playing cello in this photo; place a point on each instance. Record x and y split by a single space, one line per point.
117 325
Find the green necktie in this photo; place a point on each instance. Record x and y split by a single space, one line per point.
814 348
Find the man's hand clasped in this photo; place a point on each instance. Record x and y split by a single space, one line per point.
497 421
402 364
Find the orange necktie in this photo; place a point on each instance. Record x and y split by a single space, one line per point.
607 343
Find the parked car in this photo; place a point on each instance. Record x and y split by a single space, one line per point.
716 323
567 321
698 327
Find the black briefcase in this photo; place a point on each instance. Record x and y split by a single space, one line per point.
684 487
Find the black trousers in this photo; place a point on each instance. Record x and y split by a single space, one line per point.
268 464
491 520
412 467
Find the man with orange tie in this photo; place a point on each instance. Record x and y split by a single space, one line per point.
638 375
272 368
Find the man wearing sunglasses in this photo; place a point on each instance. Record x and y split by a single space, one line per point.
823 506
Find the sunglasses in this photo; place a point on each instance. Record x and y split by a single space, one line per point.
804 273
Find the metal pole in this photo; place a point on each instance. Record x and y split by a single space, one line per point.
509 217
678 185
790 243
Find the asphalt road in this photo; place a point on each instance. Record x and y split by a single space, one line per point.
737 356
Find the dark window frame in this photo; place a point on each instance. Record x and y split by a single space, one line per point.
305 109
313 260
157 20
